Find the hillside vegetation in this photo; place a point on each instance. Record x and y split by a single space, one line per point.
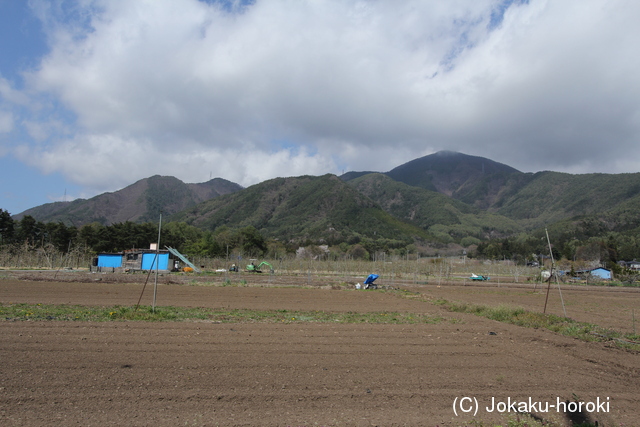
303 209
444 202
552 196
471 179
139 202
444 217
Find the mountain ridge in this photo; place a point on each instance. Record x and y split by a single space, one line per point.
138 202
301 208
444 196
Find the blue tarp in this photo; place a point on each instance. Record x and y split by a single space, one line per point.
371 279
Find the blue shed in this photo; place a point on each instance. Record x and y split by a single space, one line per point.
134 260
109 260
148 261
603 273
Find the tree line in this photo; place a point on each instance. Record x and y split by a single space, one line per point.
606 250
118 237
221 242
570 244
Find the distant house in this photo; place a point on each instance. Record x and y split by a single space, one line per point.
134 260
600 272
603 273
632 265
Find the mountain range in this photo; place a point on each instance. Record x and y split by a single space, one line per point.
446 196
139 202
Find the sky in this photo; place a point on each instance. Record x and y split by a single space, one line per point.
97 94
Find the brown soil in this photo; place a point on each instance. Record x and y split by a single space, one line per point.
200 373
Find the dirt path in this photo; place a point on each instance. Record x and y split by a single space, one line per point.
165 374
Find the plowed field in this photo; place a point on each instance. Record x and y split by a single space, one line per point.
304 373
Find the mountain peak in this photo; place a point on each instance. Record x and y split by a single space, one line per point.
473 179
445 153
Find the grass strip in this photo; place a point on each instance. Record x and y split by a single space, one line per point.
562 325
42 312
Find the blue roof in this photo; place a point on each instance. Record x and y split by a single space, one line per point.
603 273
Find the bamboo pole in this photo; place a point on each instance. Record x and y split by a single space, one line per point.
155 285
551 276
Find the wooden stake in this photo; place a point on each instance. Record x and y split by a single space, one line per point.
547 298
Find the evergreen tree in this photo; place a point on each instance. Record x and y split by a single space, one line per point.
7 227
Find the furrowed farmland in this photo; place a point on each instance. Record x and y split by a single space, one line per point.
303 346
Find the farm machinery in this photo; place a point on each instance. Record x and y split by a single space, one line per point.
479 278
252 268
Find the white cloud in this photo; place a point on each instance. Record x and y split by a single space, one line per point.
107 162
9 98
185 88
10 95
6 121
566 92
